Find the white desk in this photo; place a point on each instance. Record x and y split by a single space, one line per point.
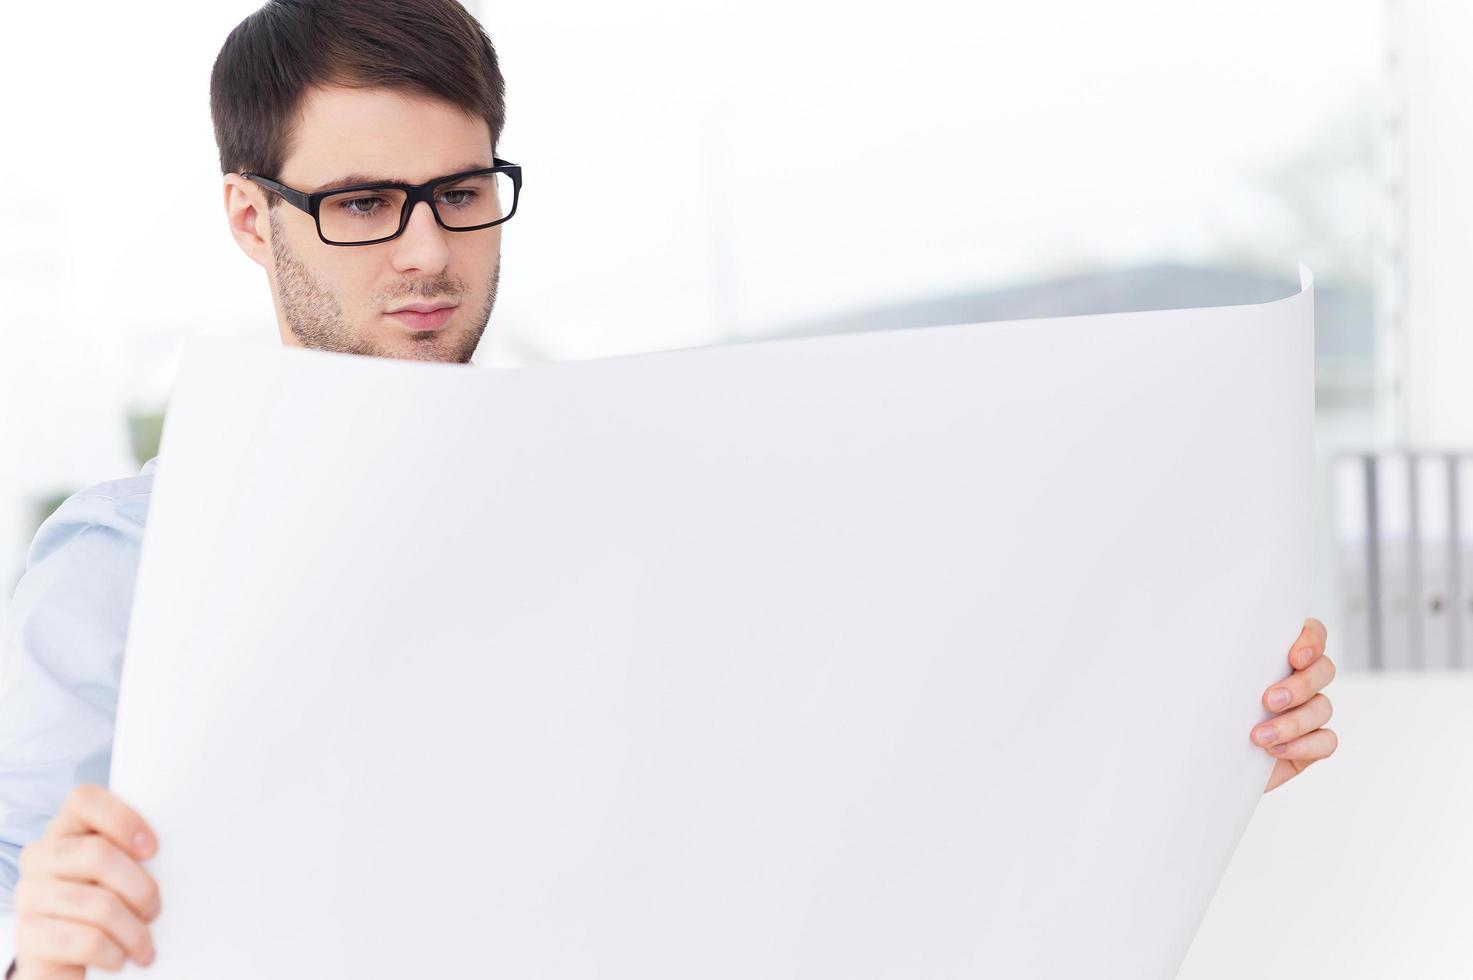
1362 867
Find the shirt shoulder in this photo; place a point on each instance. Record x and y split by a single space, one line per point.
120 506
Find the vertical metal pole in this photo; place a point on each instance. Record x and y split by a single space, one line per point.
1393 272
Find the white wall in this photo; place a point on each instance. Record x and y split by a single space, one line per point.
1439 219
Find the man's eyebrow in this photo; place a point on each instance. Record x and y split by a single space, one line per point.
351 179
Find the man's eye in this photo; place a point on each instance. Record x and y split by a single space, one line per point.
458 202
361 206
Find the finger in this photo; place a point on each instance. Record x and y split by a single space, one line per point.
1309 645
1300 686
1291 724
95 860
41 940
1284 770
92 809
89 905
1318 744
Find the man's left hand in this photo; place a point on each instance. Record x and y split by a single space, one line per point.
1295 737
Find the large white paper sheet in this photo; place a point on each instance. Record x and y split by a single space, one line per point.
914 654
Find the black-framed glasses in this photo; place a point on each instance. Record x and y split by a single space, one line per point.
366 214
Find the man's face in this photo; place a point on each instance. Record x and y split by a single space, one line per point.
334 297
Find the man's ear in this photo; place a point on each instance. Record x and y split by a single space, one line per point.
245 210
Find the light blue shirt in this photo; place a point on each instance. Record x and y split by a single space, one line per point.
63 657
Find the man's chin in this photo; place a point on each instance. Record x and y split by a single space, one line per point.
453 348
448 346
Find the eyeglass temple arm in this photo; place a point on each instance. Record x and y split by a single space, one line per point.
295 198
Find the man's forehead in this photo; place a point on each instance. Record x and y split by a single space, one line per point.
374 135
345 180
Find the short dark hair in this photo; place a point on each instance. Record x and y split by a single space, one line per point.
426 47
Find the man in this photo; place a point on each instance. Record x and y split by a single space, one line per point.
307 96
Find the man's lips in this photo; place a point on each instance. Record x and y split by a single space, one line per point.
414 319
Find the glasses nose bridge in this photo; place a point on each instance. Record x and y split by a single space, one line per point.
425 193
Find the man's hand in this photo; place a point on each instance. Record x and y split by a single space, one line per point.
83 899
1295 737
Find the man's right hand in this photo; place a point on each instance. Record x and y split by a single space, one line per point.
83 899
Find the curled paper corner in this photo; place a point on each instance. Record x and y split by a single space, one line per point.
1306 278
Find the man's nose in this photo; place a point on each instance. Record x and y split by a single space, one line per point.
424 245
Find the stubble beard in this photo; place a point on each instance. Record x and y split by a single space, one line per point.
315 317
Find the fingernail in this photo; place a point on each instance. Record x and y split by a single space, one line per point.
1278 697
1266 734
146 958
142 843
1302 655
1276 749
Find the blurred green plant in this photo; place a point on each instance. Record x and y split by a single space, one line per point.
144 430
145 427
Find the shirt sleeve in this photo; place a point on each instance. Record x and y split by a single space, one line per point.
63 656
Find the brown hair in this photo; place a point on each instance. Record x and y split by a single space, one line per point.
267 64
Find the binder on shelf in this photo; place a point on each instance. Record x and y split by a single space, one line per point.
1354 646
1396 556
1437 562
1464 523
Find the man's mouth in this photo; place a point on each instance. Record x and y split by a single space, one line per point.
424 316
